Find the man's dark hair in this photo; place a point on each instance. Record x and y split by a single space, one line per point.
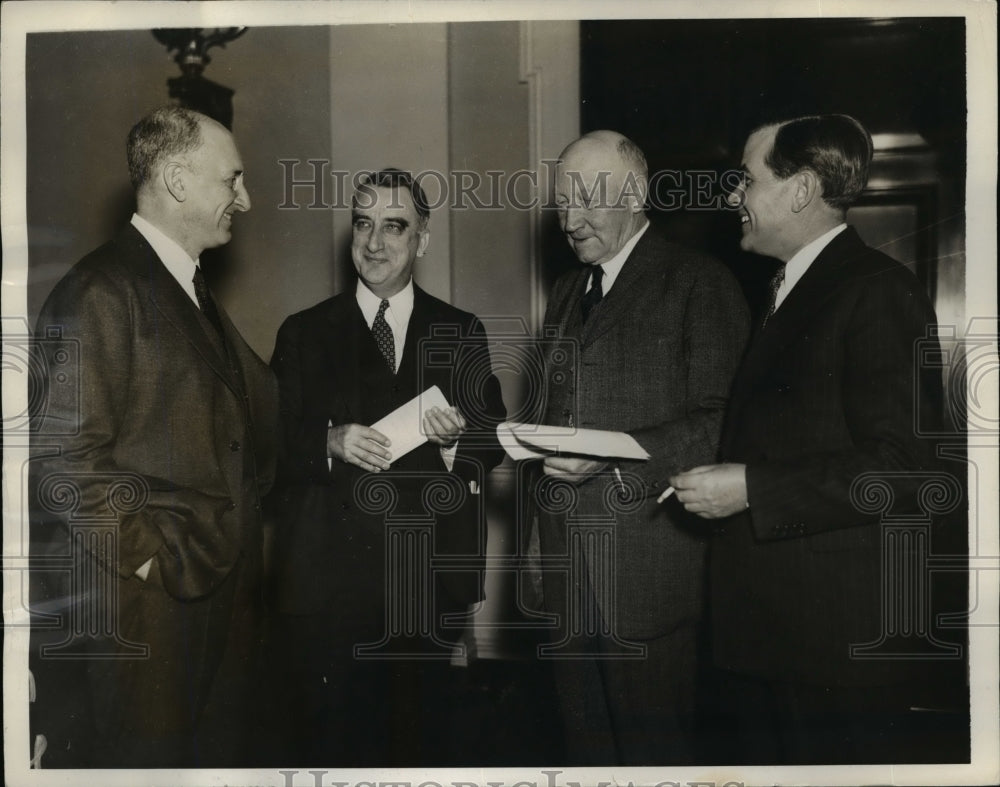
392 178
164 132
836 147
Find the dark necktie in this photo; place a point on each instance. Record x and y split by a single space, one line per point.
772 291
383 336
594 295
205 301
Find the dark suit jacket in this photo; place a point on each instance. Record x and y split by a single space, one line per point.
828 390
154 396
331 543
146 425
656 359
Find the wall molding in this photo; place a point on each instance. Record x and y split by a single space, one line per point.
550 66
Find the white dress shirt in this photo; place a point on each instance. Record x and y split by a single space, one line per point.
397 315
173 257
614 266
797 266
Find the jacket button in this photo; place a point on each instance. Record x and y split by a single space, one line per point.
234 445
232 505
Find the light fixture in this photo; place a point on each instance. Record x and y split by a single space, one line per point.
192 89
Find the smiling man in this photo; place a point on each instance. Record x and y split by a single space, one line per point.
829 391
342 365
178 413
658 330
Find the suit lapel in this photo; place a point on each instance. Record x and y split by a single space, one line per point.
414 375
347 343
173 303
416 330
569 314
630 289
818 285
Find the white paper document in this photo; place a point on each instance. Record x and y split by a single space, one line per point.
404 425
533 441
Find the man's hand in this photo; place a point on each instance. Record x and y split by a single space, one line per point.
443 427
572 469
712 491
359 445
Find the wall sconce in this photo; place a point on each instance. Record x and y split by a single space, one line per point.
192 90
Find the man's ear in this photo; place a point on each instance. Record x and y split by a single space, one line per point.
425 238
806 187
174 181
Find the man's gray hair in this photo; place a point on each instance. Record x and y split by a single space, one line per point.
167 131
633 156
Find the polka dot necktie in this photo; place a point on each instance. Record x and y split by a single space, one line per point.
383 336
772 291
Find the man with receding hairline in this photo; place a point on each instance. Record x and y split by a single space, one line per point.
828 393
342 366
658 332
175 407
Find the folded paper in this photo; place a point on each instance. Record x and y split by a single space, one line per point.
534 441
404 426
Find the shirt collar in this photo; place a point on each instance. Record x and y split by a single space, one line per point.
614 266
173 257
796 267
400 304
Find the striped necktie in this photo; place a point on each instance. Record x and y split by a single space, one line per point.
772 290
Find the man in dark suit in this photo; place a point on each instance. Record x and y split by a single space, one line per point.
828 393
154 452
366 533
659 331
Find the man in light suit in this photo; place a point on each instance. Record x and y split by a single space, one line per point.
163 439
659 331
829 391
365 637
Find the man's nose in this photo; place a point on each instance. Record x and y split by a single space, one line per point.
734 198
242 198
374 242
573 219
